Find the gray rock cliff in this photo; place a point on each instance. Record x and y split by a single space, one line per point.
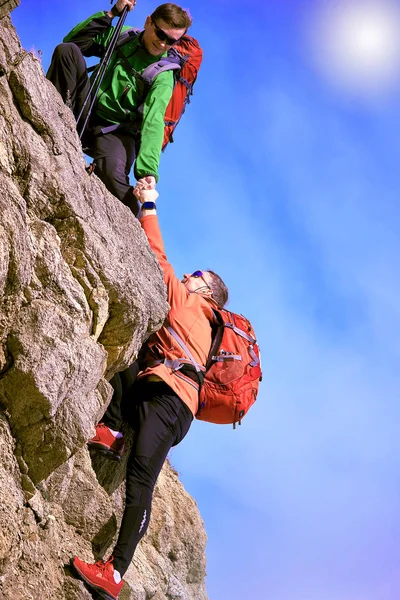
80 290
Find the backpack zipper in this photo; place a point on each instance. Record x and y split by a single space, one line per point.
125 93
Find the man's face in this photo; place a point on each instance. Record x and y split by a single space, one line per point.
153 32
198 281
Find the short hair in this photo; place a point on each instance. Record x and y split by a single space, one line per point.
219 290
172 14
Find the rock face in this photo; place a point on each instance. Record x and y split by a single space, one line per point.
80 290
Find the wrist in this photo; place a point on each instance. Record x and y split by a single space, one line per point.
149 205
149 208
148 213
113 12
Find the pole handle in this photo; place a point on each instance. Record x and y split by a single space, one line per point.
101 71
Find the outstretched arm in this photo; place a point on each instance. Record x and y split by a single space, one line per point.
152 128
177 292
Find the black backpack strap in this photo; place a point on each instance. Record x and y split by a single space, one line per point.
143 85
218 330
123 39
196 376
130 69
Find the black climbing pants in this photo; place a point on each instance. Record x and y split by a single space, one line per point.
160 420
113 153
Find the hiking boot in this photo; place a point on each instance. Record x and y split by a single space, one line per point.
99 576
105 442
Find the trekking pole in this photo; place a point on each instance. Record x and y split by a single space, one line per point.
95 85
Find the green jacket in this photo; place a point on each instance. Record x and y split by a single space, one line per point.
120 93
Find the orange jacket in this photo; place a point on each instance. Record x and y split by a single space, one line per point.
190 316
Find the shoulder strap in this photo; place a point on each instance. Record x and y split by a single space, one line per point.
167 63
150 72
184 348
242 333
217 338
198 370
130 69
127 35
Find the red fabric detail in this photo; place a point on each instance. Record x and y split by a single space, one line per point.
187 47
230 387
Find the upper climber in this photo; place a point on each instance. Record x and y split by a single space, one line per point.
117 133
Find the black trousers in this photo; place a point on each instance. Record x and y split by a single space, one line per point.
160 420
113 153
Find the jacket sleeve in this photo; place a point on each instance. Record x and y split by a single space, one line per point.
177 292
152 130
92 36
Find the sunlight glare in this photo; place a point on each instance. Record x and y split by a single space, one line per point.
356 43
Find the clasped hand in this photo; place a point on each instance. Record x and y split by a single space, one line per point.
120 5
144 195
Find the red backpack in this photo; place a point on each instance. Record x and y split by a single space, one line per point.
190 56
233 371
232 374
184 59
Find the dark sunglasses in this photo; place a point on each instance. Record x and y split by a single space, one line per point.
200 274
160 33
197 274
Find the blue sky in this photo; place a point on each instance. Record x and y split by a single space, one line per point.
284 178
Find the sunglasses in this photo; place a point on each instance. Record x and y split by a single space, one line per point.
200 275
160 33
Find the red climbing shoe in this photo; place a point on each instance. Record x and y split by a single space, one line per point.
99 576
105 442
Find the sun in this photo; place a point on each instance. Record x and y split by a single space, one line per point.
357 43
